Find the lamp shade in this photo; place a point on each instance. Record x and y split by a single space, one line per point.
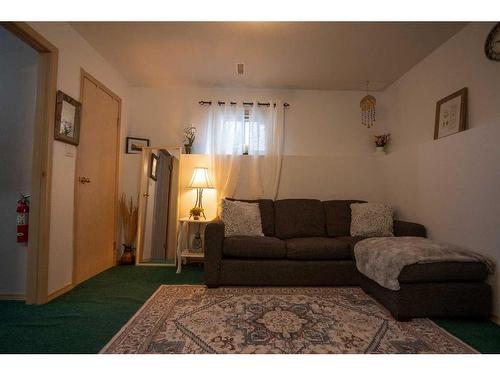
200 179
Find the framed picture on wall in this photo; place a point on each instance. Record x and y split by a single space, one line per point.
134 145
153 166
451 114
67 122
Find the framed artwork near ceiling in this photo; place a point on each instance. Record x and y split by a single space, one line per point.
451 114
153 166
134 145
67 121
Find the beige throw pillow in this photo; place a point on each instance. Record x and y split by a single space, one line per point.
371 220
241 219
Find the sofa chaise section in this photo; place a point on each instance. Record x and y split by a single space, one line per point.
433 299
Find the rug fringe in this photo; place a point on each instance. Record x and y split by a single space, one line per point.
144 305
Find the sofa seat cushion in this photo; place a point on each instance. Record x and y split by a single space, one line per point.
317 248
296 218
443 271
254 247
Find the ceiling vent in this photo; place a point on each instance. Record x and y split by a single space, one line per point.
240 68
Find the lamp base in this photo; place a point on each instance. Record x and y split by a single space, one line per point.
197 244
199 203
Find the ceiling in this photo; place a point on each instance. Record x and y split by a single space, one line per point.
284 55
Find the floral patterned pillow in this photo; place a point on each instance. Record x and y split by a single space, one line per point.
371 220
241 219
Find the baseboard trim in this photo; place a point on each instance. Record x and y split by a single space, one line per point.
60 292
12 297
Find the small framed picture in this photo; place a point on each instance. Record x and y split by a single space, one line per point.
153 166
135 145
451 114
67 122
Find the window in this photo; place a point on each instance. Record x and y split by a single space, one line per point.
254 142
238 130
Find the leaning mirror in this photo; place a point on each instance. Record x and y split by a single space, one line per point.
159 187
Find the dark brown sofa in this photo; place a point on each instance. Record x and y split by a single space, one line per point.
307 243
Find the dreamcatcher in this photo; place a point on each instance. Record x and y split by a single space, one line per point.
367 105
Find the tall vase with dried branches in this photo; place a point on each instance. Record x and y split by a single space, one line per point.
128 213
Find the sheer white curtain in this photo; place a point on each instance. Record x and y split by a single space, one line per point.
225 129
265 149
246 148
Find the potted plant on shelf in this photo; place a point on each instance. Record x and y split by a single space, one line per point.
195 212
128 213
380 142
189 137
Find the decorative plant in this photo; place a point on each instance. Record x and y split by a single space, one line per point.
189 137
382 140
196 211
129 216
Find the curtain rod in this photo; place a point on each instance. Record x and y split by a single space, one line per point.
203 102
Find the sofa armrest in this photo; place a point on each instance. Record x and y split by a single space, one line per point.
214 238
405 228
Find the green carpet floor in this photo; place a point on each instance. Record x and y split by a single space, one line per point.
86 318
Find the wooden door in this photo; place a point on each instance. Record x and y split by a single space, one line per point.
96 181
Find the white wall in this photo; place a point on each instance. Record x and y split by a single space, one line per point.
328 153
74 53
452 185
18 77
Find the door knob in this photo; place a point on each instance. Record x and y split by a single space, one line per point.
145 195
84 180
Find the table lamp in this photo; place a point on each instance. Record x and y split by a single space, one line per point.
200 180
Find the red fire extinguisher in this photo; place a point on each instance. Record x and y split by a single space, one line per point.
23 209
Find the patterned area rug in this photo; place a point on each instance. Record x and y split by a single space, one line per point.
194 319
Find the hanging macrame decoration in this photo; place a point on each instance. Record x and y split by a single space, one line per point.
367 105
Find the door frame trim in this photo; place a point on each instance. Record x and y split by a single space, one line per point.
86 75
43 137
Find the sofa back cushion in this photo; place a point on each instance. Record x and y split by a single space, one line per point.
299 218
266 213
338 217
317 248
